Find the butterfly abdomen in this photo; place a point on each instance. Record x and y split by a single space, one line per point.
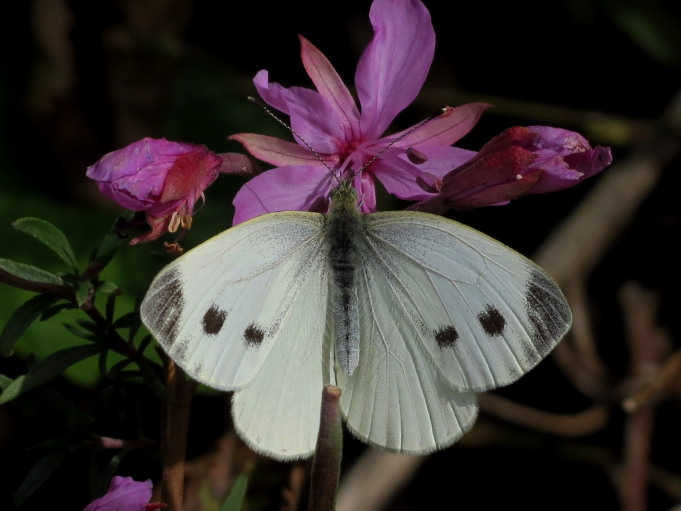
342 226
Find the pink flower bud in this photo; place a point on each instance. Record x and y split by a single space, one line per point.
162 178
124 494
519 161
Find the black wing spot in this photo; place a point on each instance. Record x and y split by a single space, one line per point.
446 337
213 320
491 321
253 335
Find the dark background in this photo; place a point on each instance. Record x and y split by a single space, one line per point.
81 78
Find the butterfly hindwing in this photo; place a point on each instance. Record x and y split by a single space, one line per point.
278 412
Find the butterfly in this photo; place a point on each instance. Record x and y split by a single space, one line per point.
410 314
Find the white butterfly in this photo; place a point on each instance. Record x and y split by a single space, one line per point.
410 314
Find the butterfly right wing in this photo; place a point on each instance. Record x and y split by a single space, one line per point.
219 309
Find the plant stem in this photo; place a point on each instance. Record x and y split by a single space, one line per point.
174 428
326 465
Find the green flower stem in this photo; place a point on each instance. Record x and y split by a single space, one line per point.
327 460
174 428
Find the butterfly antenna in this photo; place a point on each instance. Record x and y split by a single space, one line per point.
402 136
312 150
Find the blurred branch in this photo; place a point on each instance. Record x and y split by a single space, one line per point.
606 128
648 345
577 424
374 479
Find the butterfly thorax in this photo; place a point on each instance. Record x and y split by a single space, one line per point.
343 223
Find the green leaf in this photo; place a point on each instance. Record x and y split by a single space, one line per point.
235 499
82 290
127 320
47 369
4 381
56 309
50 236
109 288
29 273
105 251
83 334
40 472
21 319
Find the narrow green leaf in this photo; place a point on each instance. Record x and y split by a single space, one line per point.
4 381
108 288
56 309
29 273
82 290
47 369
235 499
127 320
21 319
79 332
40 472
105 251
50 236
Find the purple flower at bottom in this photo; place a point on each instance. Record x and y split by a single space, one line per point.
125 494
162 178
519 161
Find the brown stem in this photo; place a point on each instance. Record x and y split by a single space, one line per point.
174 428
570 425
647 348
326 465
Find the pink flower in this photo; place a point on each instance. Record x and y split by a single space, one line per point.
389 75
519 161
162 178
125 494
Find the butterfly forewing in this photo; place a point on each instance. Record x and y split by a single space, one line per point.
219 309
475 309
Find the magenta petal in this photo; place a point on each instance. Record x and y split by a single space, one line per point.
566 158
314 119
402 178
440 160
293 188
394 66
274 94
124 494
279 152
331 87
366 192
312 116
446 129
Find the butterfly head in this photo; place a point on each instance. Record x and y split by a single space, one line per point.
343 196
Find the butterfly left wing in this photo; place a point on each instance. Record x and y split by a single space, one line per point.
445 312
246 311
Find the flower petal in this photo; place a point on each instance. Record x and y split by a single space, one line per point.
394 66
272 93
292 188
366 192
445 129
440 160
124 494
402 178
279 152
312 116
329 85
